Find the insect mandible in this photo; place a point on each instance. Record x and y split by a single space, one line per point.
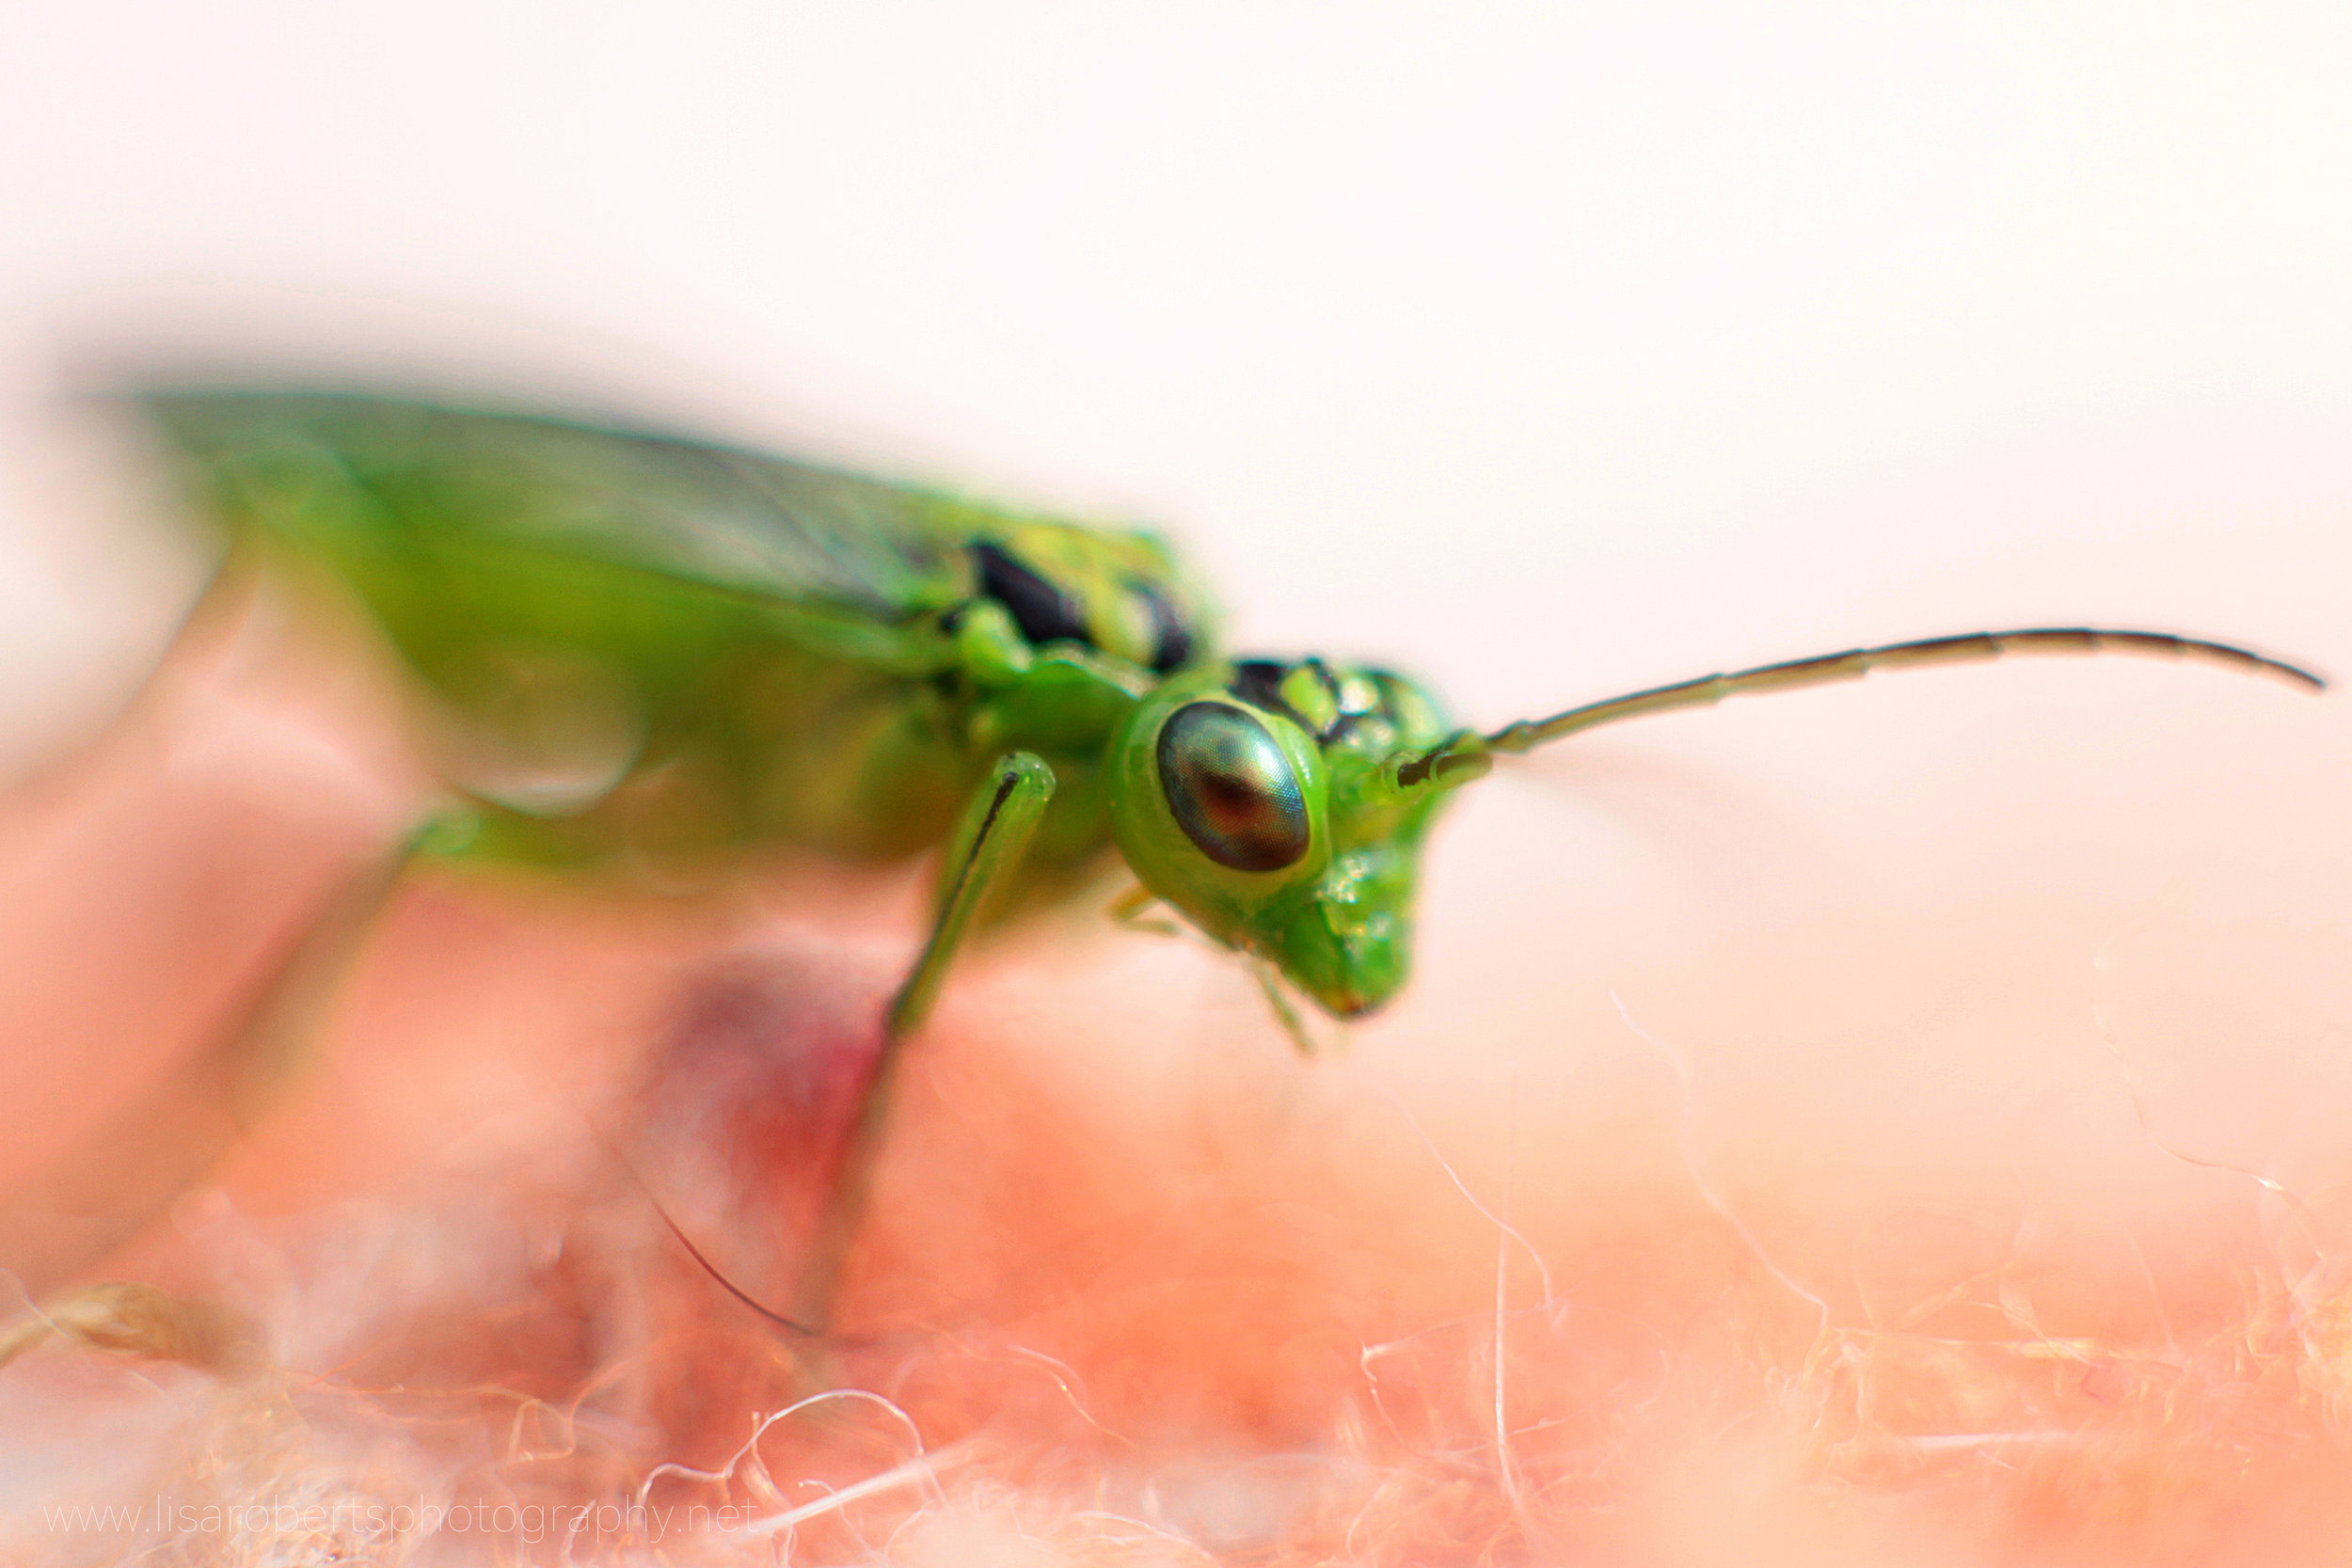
661 645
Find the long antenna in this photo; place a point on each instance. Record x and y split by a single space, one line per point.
1453 757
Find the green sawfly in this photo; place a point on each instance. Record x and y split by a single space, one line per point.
666 646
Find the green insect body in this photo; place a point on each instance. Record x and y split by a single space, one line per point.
642 649
639 646
653 647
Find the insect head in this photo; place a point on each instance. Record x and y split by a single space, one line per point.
1263 801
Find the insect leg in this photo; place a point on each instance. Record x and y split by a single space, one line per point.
104 1190
984 852
205 629
985 849
1286 1013
1129 913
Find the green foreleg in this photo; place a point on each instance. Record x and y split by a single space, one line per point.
982 856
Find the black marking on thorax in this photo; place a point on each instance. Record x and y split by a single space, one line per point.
1045 613
1042 612
1172 639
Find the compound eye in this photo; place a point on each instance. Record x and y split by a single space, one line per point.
1232 788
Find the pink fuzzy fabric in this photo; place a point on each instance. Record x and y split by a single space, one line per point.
1938 1166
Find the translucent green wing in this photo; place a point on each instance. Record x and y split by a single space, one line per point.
364 481
602 612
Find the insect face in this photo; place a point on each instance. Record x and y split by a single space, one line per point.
1260 800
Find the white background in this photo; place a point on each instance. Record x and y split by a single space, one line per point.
1547 350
